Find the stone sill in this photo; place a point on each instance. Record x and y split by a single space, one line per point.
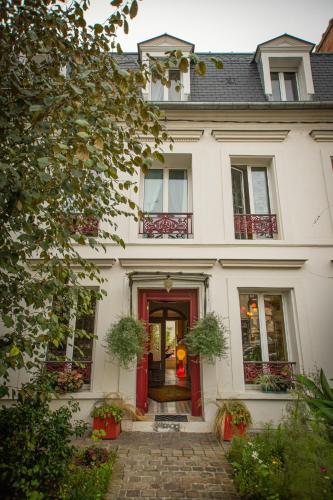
250 394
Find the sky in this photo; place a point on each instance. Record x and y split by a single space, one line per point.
221 25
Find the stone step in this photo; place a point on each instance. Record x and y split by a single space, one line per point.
150 426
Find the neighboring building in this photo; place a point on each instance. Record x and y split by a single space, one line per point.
326 42
238 221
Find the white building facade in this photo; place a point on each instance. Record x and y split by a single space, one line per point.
240 219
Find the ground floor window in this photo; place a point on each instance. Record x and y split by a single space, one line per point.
75 352
264 337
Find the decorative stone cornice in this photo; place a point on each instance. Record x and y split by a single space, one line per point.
250 135
263 263
167 263
322 135
100 263
178 135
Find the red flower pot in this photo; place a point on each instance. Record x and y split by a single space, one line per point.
108 425
230 430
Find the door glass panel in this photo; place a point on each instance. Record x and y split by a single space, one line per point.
249 314
276 86
157 91
291 86
260 191
276 338
237 191
153 191
174 77
155 340
177 191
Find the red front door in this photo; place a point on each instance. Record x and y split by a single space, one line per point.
184 295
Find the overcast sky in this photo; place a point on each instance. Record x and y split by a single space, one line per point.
221 25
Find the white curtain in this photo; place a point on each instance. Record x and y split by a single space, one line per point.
153 194
178 191
157 91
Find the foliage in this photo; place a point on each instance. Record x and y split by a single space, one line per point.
35 448
116 400
273 383
69 381
208 338
125 340
318 394
89 480
98 434
72 114
293 461
236 409
107 411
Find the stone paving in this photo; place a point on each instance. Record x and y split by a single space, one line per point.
170 465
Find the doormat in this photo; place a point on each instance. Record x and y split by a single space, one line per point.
166 393
170 418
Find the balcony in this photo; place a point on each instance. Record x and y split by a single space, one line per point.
283 369
84 224
83 367
255 226
169 225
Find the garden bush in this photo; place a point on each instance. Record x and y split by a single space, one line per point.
35 445
126 339
293 461
89 474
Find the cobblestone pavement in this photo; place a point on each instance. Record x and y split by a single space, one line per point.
170 465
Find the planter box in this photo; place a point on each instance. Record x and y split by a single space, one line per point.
230 430
111 428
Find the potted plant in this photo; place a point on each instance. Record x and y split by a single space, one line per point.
232 418
68 381
126 339
107 418
207 338
270 382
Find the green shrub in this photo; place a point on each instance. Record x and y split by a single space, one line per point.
35 448
88 482
126 339
107 410
208 338
294 461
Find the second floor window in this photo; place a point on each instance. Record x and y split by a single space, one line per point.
284 86
166 204
251 203
161 92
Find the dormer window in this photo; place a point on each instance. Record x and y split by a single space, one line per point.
284 86
285 68
158 47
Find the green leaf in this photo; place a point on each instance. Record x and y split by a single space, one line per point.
217 62
14 351
133 9
126 29
82 123
83 135
325 386
183 65
36 107
44 161
116 3
200 68
98 28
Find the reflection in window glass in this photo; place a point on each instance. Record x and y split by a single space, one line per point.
155 340
276 338
249 313
177 191
260 191
276 91
153 191
290 86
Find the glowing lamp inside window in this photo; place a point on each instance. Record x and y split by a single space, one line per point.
181 353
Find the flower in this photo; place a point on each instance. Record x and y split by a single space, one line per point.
323 470
254 455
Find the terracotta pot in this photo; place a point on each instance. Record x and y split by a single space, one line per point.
108 425
230 430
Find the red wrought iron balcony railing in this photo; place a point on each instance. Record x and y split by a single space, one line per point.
84 224
283 369
174 225
255 226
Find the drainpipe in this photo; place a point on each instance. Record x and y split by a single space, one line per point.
206 285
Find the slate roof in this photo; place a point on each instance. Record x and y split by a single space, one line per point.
239 80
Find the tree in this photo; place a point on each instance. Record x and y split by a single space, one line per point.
71 117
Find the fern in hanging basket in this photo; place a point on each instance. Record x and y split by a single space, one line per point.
208 338
125 340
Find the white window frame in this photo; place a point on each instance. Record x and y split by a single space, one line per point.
282 83
262 322
166 89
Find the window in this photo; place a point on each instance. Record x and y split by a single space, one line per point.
251 203
160 92
284 86
166 204
75 353
264 337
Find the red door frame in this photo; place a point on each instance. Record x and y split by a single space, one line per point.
189 295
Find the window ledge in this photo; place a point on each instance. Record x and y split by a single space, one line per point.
251 394
263 263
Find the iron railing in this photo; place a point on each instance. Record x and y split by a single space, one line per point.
84 224
255 226
283 369
175 225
